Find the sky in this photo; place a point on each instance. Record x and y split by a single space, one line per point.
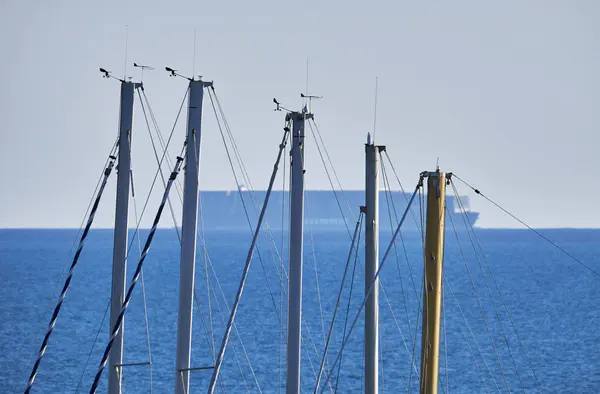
504 94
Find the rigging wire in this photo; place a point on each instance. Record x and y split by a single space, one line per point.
472 230
497 314
444 319
281 283
207 281
420 298
235 353
238 296
93 346
63 293
390 202
530 228
161 140
116 328
214 99
388 197
147 326
221 314
472 335
65 265
222 293
314 258
480 305
337 379
414 351
243 201
404 193
159 167
381 265
339 297
247 180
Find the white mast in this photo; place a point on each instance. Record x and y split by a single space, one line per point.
189 228
371 266
296 249
119 268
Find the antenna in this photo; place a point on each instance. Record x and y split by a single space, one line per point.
194 59
126 39
306 86
308 98
375 112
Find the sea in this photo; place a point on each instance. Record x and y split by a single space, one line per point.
519 315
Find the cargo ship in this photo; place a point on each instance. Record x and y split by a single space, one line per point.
224 210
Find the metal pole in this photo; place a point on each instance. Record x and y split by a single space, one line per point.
371 266
189 228
296 249
119 267
433 261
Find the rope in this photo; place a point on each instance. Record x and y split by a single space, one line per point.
115 329
368 293
238 296
339 297
530 228
63 293
470 226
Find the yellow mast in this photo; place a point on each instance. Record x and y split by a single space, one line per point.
433 261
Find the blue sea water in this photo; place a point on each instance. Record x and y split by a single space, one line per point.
553 303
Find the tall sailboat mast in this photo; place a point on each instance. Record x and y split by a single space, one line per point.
296 250
371 266
189 229
433 261
119 267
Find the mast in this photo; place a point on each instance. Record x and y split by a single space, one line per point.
189 228
371 266
433 261
119 267
296 250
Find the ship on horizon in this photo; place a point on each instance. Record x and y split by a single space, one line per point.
224 210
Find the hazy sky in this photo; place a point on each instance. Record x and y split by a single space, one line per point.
506 94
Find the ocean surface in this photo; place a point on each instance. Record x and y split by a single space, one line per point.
513 307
